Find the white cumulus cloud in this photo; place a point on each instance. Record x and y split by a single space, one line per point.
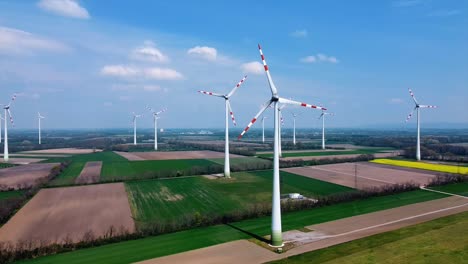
22 42
162 74
206 53
319 58
154 73
300 33
253 67
148 52
68 8
120 71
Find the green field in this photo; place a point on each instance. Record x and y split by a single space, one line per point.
438 241
162 245
243 161
10 194
116 168
423 165
170 199
327 153
456 188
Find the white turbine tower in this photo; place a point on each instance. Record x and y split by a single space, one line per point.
417 107
228 109
7 114
263 128
294 127
155 117
135 116
39 117
323 126
1 119
276 232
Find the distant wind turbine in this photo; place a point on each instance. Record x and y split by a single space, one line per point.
276 230
417 107
155 117
323 126
7 114
135 116
280 108
228 109
39 117
294 127
263 128
1 119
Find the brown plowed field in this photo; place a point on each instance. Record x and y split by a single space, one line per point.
174 155
24 176
60 213
90 173
368 174
345 156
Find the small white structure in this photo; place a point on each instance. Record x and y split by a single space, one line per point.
295 196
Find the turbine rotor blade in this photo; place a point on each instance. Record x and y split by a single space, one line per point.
237 86
287 101
160 112
231 113
412 96
11 117
211 93
427 106
268 103
274 91
410 115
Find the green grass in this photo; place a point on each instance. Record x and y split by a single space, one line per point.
423 165
456 188
327 153
162 245
6 165
116 167
10 194
170 199
242 161
438 241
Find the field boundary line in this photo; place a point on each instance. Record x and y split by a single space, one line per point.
452 194
314 167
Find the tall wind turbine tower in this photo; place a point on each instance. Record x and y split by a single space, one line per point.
135 116
228 109
155 117
1 119
276 230
322 116
417 107
7 114
39 117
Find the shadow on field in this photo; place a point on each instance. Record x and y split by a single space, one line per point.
250 233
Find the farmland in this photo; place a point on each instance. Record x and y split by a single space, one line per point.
327 153
162 245
10 194
170 199
436 241
116 168
456 188
424 166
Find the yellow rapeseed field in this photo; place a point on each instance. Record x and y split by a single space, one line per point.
423 165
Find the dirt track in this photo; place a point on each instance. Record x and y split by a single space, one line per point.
54 214
369 175
23 160
24 176
326 234
174 155
90 173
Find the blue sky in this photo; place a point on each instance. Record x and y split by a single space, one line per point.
89 64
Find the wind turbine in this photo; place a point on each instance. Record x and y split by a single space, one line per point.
39 117
294 127
135 116
263 128
1 118
228 109
323 126
276 232
156 117
417 107
7 113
